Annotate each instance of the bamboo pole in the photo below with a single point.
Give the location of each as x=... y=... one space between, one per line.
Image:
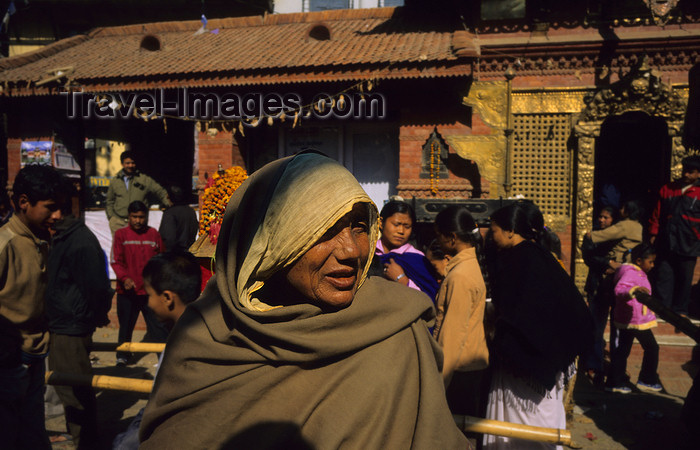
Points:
x=99 y=381
x=466 y=423
x=133 y=347
x=513 y=430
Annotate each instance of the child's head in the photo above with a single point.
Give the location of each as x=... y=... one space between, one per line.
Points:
x=455 y=224
x=606 y=217
x=644 y=255
x=437 y=258
x=37 y=194
x=631 y=210
x=172 y=280
x=691 y=168
x=138 y=215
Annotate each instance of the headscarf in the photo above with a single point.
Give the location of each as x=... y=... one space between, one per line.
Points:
x=240 y=373
x=312 y=194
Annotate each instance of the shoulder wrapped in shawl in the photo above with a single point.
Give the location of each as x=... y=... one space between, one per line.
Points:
x=542 y=322
x=240 y=374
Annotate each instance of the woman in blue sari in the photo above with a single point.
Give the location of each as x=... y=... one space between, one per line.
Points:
x=402 y=262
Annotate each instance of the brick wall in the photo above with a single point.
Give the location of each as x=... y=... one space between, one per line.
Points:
x=413 y=133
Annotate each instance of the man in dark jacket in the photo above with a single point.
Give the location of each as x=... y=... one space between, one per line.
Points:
x=179 y=224
x=675 y=232
x=78 y=298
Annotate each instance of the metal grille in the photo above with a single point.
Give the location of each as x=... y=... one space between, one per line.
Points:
x=541 y=161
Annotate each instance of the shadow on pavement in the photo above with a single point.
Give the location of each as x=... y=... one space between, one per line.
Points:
x=112 y=405
x=635 y=421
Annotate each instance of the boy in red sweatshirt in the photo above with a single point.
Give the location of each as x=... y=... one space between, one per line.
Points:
x=132 y=247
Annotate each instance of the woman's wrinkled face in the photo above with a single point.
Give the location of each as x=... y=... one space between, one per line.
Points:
x=396 y=229
x=329 y=272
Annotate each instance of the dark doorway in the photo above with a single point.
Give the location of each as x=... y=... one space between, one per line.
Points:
x=633 y=157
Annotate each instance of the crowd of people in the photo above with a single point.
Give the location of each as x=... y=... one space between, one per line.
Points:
x=323 y=326
x=626 y=256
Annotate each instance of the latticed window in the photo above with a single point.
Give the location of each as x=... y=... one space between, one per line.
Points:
x=541 y=161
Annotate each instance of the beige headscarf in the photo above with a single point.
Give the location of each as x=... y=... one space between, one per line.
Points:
x=312 y=194
x=238 y=374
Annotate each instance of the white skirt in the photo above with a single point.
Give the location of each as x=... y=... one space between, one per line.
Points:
x=512 y=399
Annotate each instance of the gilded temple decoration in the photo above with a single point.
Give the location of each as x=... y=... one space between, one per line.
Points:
x=661 y=9
x=489 y=100
x=548 y=101
x=642 y=90
x=488 y=152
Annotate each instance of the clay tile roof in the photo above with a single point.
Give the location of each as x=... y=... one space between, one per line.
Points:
x=246 y=51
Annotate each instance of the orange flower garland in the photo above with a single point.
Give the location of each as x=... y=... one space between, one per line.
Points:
x=434 y=173
x=219 y=189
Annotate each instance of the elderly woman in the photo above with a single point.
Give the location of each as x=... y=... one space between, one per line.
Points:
x=290 y=345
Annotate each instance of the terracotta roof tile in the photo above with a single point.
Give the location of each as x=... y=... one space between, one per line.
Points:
x=246 y=50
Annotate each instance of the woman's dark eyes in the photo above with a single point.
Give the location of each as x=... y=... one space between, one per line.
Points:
x=360 y=227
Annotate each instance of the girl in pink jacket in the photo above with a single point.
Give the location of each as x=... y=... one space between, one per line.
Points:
x=634 y=320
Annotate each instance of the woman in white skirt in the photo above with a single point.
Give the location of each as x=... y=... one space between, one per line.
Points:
x=542 y=324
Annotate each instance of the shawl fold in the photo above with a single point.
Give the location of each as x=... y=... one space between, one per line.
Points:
x=542 y=322
x=239 y=373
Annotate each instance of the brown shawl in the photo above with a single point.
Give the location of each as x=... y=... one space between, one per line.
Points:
x=240 y=374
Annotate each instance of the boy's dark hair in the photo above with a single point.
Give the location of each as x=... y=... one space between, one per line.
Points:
x=37 y=182
x=176 y=271
x=641 y=251
x=126 y=154
x=137 y=206
x=690 y=163
x=177 y=195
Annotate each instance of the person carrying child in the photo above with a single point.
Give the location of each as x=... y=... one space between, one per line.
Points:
x=634 y=321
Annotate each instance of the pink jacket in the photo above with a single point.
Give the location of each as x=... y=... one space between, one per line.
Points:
x=629 y=313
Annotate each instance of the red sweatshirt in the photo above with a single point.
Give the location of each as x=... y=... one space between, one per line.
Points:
x=130 y=253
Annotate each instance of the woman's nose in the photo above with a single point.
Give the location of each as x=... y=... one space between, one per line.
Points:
x=348 y=247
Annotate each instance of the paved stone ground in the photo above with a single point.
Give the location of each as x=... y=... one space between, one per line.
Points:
x=638 y=420
x=115 y=409
x=601 y=420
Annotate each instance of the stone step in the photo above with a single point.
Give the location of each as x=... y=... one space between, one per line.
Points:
x=667 y=334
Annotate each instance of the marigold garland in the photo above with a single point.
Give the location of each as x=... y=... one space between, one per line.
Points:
x=219 y=189
x=434 y=173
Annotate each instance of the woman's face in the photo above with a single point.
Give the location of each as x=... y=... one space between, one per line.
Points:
x=329 y=272
x=604 y=220
x=396 y=230
x=500 y=237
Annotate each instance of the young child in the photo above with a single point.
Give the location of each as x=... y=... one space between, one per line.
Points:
x=634 y=320
x=172 y=280
x=133 y=246
x=438 y=259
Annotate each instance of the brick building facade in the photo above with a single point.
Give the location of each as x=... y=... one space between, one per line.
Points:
x=457 y=123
